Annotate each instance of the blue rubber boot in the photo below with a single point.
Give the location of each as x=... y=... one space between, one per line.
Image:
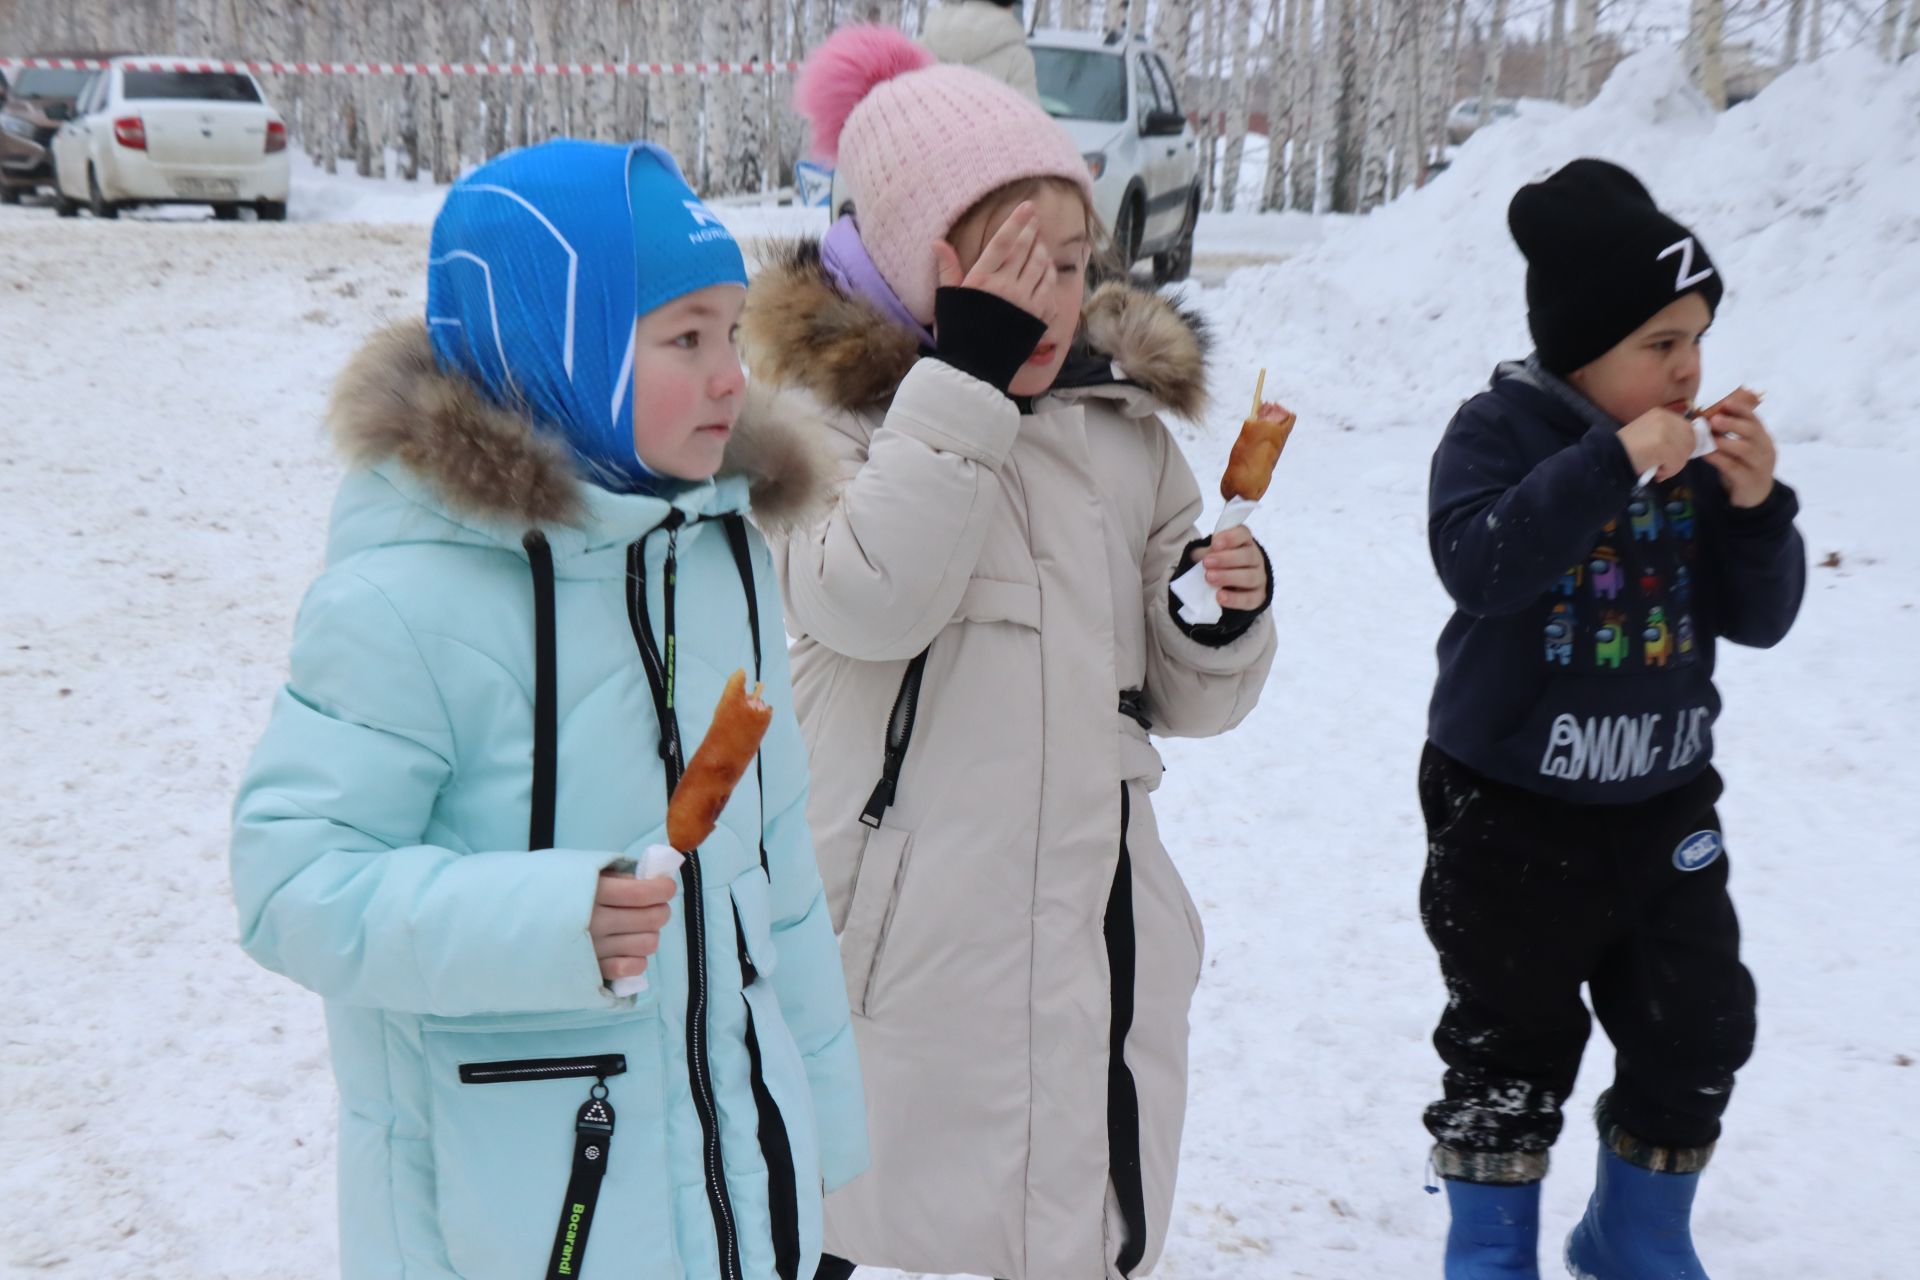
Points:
x=1638 y=1226
x=1496 y=1230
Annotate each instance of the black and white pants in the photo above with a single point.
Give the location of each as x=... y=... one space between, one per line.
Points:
x=1525 y=898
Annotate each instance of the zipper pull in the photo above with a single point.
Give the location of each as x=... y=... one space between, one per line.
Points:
x=595 y=1121
x=878 y=803
x=593 y=1137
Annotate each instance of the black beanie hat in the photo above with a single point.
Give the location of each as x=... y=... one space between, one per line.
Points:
x=1601 y=261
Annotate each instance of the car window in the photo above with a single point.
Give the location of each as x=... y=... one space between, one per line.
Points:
x=194 y=86
x=50 y=82
x=1164 y=83
x=1081 y=84
x=1146 y=96
x=91 y=97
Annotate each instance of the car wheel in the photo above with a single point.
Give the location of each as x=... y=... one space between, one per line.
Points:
x=1176 y=264
x=10 y=194
x=65 y=207
x=97 y=202
x=227 y=212
x=271 y=210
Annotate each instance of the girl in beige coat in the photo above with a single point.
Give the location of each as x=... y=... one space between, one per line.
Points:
x=985 y=638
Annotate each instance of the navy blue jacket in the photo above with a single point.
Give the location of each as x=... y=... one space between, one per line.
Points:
x=1579 y=660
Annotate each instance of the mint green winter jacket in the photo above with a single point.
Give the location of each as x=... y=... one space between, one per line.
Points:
x=381 y=859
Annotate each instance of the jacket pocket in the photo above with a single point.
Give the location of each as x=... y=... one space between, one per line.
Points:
x=505 y=1107
x=876 y=894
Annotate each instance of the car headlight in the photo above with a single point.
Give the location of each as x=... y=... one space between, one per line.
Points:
x=17 y=127
x=1096 y=163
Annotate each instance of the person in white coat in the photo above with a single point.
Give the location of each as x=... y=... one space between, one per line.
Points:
x=986 y=35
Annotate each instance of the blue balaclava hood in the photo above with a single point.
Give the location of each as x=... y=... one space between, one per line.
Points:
x=541 y=263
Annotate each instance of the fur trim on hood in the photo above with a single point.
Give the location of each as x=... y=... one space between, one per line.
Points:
x=799 y=330
x=394 y=401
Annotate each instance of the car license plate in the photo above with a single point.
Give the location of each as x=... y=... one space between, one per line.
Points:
x=206 y=186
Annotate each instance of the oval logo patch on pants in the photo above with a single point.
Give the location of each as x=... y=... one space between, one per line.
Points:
x=1698 y=850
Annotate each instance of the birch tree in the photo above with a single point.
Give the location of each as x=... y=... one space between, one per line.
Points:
x=1889 y=28
x=1490 y=73
x=1796 y=14
x=1381 y=64
x=1706 y=68
x=1279 y=34
x=1237 y=111
x=1310 y=132
x=1348 y=115
x=1172 y=35
x=1556 y=55
x=1202 y=82
x=1816 y=29
x=1441 y=100
x=1580 y=53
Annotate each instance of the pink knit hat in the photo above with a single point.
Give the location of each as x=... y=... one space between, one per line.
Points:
x=919 y=144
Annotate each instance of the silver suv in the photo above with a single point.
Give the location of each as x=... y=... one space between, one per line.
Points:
x=1116 y=99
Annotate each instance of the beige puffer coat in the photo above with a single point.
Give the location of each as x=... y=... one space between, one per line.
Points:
x=1019 y=870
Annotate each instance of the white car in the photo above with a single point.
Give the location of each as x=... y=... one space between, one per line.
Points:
x=1116 y=98
x=143 y=135
x=1464 y=120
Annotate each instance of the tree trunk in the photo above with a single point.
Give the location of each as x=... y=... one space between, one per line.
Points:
x=1796 y=15
x=1203 y=97
x=683 y=102
x=1910 y=42
x=1447 y=85
x=1424 y=18
x=1816 y=30
x=1172 y=31
x=330 y=135
x=1490 y=73
x=1556 y=54
x=1311 y=113
x=719 y=28
x=599 y=31
x=1580 y=53
x=1348 y=123
x=1890 y=28
x=1273 y=188
x=1381 y=66
x=1703 y=49
x=1237 y=110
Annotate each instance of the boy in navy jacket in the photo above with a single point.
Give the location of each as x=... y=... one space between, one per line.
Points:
x=1594 y=557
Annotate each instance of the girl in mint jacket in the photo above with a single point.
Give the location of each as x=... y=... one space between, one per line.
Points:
x=538 y=578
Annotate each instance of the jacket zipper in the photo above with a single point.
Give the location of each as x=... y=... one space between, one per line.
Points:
x=660 y=678
x=598 y=1066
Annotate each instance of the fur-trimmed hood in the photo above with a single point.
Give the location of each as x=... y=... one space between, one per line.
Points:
x=393 y=402
x=800 y=330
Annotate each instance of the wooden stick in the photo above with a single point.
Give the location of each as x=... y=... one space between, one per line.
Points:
x=1259 y=387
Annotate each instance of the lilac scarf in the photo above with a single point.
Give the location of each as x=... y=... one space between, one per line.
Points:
x=847 y=261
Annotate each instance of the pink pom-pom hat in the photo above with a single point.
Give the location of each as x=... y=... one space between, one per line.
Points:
x=919 y=143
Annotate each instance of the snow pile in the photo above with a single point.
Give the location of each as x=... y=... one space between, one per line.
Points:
x=1806 y=197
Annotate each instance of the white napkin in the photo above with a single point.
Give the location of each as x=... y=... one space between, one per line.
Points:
x=658 y=860
x=1199 y=602
x=1702 y=446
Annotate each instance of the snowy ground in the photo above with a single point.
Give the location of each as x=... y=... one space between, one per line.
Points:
x=163 y=487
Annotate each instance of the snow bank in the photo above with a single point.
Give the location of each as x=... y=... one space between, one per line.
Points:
x=1808 y=197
